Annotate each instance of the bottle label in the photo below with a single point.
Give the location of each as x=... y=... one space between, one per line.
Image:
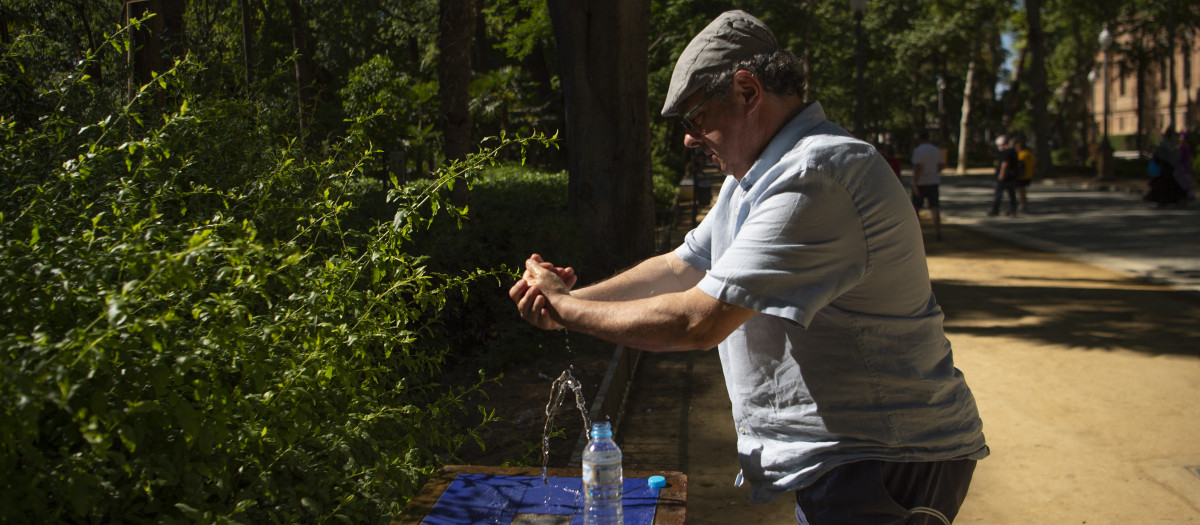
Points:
x=601 y=473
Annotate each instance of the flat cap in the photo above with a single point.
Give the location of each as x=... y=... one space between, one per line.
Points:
x=730 y=38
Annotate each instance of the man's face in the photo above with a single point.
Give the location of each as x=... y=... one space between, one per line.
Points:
x=715 y=128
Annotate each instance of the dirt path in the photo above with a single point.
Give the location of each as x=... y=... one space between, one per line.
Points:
x=1086 y=381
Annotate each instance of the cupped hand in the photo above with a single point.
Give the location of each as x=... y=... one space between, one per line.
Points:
x=566 y=274
x=529 y=293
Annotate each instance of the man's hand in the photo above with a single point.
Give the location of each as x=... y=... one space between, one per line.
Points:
x=566 y=274
x=539 y=279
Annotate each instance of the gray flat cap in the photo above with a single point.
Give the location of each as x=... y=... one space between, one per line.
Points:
x=731 y=38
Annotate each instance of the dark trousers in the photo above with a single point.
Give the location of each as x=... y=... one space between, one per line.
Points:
x=1003 y=187
x=886 y=493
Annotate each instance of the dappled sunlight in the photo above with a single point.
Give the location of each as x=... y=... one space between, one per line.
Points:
x=1153 y=322
x=991 y=288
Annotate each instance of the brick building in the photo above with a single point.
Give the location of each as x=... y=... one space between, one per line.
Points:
x=1122 y=94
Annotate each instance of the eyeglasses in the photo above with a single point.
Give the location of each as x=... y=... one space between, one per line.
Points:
x=686 y=119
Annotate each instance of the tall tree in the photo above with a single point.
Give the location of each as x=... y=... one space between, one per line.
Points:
x=81 y=10
x=306 y=91
x=964 y=122
x=602 y=47
x=1012 y=103
x=1037 y=84
x=456 y=24
x=247 y=44
x=160 y=36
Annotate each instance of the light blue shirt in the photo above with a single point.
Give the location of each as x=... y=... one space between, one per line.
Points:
x=848 y=360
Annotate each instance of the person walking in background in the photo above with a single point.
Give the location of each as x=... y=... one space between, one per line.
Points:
x=928 y=163
x=1007 y=174
x=1025 y=161
x=810 y=278
x=1183 y=173
x=1165 y=189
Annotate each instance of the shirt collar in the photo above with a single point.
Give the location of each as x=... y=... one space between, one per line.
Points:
x=809 y=118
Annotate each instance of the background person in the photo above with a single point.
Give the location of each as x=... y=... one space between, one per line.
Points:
x=1183 y=173
x=928 y=163
x=1025 y=161
x=1165 y=189
x=809 y=276
x=1007 y=175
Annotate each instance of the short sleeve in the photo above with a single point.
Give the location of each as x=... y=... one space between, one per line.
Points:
x=801 y=246
x=697 y=246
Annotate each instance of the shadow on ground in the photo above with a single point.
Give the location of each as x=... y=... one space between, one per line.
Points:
x=1045 y=298
x=1152 y=322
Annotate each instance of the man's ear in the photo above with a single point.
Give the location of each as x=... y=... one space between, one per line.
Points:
x=747 y=88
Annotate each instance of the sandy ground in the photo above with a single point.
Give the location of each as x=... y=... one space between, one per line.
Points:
x=1086 y=381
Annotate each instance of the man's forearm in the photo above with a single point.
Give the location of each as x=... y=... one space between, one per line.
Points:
x=655 y=276
x=688 y=320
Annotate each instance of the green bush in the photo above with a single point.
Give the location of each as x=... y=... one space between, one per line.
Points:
x=514 y=210
x=200 y=324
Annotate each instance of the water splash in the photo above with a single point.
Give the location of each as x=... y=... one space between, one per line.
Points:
x=558 y=391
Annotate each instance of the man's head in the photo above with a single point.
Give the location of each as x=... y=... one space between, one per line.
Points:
x=734 y=88
x=923 y=136
x=733 y=41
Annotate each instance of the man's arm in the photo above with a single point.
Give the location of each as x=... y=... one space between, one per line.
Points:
x=657 y=275
x=650 y=307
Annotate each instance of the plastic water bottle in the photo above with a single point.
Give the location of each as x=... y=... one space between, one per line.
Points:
x=603 y=480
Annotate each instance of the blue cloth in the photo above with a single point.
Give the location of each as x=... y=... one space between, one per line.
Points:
x=486 y=498
x=849 y=360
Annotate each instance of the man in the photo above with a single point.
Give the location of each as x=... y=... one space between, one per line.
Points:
x=928 y=163
x=1007 y=175
x=1026 y=162
x=809 y=276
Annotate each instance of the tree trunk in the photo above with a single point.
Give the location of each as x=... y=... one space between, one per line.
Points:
x=247 y=46
x=1013 y=100
x=1140 y=95
x=602 y=51
x=457 y=24
x=916 y=114
x=94 y=67
x=1037 y=85
x=5 y=38
x=305 y=71
x=964 y=130
x=1172 y=96
x=1186 y=47
x=145 y=53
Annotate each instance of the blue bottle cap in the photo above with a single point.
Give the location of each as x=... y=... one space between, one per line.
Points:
x=657 y=482
x=601 y=429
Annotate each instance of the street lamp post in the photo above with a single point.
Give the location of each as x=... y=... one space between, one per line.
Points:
x=941 y=88
x=858 y=6
x=1089 y=133
x=1104 y=164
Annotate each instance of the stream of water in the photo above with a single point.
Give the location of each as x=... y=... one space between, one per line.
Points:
x=558 y=391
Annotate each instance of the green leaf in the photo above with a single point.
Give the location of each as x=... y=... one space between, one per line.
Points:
x=190 y=512
x=128 y=438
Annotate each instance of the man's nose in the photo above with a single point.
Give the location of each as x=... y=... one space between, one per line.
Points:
x=691 y=141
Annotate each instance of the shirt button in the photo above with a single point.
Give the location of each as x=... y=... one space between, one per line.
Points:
x=742 y=430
